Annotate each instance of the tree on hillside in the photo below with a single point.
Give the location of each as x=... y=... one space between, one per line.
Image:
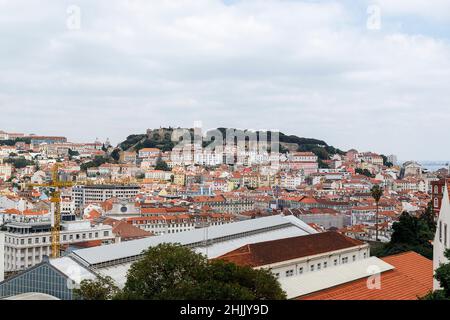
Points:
x=364 y=172
x=173 y=272
x=429 y=217
x=377 y=192
x=115 y=154
x=161 y=165
x=96 y=162
x=19 y=163
x=386 y=161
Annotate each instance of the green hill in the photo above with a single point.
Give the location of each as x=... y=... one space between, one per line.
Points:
x=161 y=139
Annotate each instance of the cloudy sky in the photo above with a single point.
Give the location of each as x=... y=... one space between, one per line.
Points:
x=332 y=70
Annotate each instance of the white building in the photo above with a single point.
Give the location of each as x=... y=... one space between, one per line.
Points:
x=5 y=171
x=83 y=195
x=410 y=184
x=166 y=224
x=7 y=202
x=26 y=243
x=442 y=237
x=158 y=175
x=302 y=157
x=149 y=152
x=2 y=256
x=290 y=181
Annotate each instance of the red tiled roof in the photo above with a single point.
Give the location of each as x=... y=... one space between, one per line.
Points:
x=125 y=230
x=411 y=278
x=264 y=253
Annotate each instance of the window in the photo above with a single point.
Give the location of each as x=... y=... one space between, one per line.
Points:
x=300 y=270
x=289 y=273
x=312 y=267
x=319 y=266
x=354 y=258
x=445 y=234
x=365 y=255
x=440 y=231
x=335 y=262
x=277 y=275
x=325 y=264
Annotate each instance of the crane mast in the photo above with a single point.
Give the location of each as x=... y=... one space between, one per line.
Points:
x=55 y=199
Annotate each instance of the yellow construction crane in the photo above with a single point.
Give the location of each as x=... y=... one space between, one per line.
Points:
x=56 y=184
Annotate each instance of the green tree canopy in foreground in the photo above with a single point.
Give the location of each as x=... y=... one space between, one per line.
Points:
x=102 y=288
x=173 y=272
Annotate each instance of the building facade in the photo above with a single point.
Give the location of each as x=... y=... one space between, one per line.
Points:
x=27 y=243
x=83 y=195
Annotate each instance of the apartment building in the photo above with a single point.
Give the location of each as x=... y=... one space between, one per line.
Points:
x=221 y=204
x=166 y=224
x=37 y=140
x=85 y=194
x=26 y=243
x=149 y=152
x=158 y=175
x=5 y=171
x=303 y=157
x=410 y=184
x=290 y=181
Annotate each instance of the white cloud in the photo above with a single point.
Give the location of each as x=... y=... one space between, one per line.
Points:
x=306 y=68
x=430 y=9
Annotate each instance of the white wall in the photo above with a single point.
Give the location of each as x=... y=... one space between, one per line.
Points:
x=2 y=256
x=439 y=245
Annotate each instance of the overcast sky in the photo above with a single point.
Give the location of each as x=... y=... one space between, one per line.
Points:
x=324 y=69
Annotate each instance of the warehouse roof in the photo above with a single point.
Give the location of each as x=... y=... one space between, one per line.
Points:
x=196 y=238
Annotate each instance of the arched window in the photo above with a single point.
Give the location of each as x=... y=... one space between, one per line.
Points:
x=436 y=202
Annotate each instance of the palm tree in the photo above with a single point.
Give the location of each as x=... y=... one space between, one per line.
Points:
x=377 y=192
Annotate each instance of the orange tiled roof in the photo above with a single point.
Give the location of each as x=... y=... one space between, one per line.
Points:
x=411 y=278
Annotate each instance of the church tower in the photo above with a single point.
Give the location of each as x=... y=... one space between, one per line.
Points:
x=441 y=238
